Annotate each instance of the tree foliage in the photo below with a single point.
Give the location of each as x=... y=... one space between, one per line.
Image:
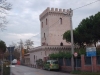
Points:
x=60 y=55
x=39 y=62
x=87 y=32
x=2 y=46
x=16 y=54
x=4 y=7
x=29 y=43
x=67 y=36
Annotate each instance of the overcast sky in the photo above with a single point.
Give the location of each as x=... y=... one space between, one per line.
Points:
x=24 y=17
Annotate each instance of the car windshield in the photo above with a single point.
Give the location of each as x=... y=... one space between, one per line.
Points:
x=54 y=62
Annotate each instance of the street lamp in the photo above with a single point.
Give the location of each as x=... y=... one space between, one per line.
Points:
x=70 y=13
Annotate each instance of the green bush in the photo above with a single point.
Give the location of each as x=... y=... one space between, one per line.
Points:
x=60 y=55
x=39 y=62
x=80 y=51
x=6 y=70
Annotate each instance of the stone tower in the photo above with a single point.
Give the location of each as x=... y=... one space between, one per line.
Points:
x=54 y=23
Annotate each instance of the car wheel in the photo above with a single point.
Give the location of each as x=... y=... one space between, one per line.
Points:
x=49 y=69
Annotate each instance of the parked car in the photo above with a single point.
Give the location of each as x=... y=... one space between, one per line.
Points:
x=14 y=62
x=51 y=65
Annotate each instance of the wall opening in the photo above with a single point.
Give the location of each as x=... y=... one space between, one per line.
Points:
x=46 y=21
x=60 y=20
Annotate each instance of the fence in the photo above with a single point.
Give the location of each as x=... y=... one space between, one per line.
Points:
x=81 y=63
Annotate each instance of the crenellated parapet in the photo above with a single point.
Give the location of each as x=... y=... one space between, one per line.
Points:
x=52 y=48
x=52 y=11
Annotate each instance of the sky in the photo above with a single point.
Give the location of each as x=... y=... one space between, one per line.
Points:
x=24 y=23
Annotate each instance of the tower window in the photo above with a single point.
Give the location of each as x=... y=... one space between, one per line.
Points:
x=46 y=22
x=42 y=24
x=60 y=20
x=34 y=57
x=44 y=35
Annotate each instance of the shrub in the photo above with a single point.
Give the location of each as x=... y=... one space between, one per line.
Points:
x=39 y=62
x=60 y=55
x=6 y=70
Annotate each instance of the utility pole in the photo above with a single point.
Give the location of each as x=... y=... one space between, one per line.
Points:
x=72 y=41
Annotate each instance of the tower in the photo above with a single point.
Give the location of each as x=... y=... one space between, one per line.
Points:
x=54 y=23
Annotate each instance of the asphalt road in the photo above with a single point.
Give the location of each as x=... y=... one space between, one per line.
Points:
x=23 y=70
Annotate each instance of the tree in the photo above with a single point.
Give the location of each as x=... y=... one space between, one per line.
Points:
x=29 y=44
x=90 y=29
x=67 y=36
x=2 y=48
x=4 y=6
x=16 y=54
x=6 y=55
x=96 y=28
x=77 y=37
x=87 y=32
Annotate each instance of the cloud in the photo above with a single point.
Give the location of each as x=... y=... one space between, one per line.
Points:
x=20 y=36
x=15 y=37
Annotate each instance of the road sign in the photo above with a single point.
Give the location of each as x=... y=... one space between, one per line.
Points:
x=75 y=54
x=91 y=51
x=10 y=49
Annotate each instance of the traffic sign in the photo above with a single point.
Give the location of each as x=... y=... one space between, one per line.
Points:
x=75 y=54
x=10 y=49
x=91 y=51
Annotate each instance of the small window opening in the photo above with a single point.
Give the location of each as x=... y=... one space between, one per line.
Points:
x=60 y=20
x=46 y=22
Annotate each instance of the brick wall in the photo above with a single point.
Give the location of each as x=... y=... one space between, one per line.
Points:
x=93 y=67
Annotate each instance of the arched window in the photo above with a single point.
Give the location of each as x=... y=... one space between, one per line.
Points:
x=60 y=20
x=46 y=22
x=42 y=24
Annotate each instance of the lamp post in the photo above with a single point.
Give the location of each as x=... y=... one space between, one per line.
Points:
x=70 y=13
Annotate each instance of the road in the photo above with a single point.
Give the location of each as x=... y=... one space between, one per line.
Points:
x=23 y=70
